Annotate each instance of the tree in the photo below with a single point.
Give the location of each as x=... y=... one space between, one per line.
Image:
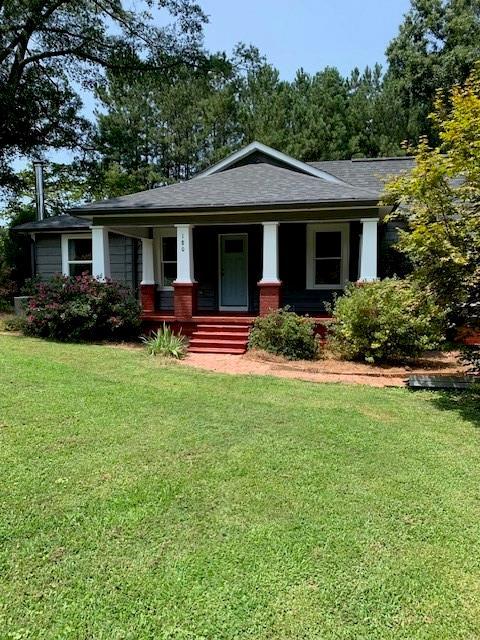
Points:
x=437 y=46
x=155 y=129
x=439 y=200
x=263 y=100
x=47 y=47
x=317 y=127
x=374 y=116
x=65 y=185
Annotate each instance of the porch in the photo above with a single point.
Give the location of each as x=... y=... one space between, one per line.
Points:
x=230 y=273
x=239 y=270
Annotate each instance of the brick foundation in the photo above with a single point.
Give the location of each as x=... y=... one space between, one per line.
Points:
x=270 y=296
x=147 y=297
x=184 y=300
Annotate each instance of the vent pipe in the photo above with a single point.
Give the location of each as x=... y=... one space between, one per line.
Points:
x=39 y=194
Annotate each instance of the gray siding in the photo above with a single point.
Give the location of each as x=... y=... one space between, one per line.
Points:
x=122 y=256
x=125 y=258
x=48 y=255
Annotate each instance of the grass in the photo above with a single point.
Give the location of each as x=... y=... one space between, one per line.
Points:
x=148 y=501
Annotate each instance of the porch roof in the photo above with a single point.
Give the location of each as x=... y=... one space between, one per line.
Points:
x=55 y=223
x=252 y=185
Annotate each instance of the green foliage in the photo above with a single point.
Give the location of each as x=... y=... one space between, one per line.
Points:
x=314 y=117
x=7 y=287
x=13 y=323
x=438 y=200
x=150 y=503
x=65 y=185
x=164 y=342
x=373 y=116
x=470 y=356
x=80 y=308
x=284 y=333
x=437 y=45
x=15 y=253
x=152 y=132
x=385 y=320
x=48 y=47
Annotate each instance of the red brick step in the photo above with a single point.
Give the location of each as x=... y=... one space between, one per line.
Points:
x=217 y=337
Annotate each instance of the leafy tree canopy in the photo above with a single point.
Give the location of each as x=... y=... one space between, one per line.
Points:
x=437 y=45
x=50 y=47
x=439 y=201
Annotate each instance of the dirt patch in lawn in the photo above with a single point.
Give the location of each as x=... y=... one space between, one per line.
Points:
x=326 y=370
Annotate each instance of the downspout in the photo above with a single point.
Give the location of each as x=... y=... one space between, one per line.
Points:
x=33 y=256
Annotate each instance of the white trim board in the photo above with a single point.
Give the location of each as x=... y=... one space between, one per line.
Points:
x=258 y=147
x=311 y=230
x=158 y=234
x=65 y=237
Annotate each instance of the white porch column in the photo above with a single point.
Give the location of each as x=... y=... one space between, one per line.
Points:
x=148 y=276
x=270 y=253
x=368 y=250
x=100 y=253
x=185 y=271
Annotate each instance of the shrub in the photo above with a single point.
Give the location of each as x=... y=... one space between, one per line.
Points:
x=7 y=288
x=385 y=320
x=470 y=319
x=80 y=308
x=166 y=343
x=283 y=332
x=30 y=286
x=470 y=356
x=13 y=323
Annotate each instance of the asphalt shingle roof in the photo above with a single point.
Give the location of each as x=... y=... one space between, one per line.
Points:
x=248 y=185
x=367 y=173
x=55 y=223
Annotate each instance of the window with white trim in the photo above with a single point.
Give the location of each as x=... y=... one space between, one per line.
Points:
x=167 y=258
x=327 y=255
x=77 y=254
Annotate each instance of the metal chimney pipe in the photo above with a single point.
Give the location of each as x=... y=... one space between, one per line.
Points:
x=39 y=194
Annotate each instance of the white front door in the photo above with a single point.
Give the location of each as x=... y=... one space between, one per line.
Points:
x=233 y=281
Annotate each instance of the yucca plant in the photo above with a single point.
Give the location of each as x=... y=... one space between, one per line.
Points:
x=164 y=342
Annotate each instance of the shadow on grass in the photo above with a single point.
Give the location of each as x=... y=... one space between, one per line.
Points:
x=466 y=403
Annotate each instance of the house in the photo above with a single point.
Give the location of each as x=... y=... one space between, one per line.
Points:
x=256 y=231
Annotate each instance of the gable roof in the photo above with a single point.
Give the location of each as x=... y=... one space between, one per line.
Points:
x=248 y=185
x=281 y=158
x=55 y=223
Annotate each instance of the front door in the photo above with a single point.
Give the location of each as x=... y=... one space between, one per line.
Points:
x=233 y=283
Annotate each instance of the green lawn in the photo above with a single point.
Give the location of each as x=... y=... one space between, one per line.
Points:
x=147 y=501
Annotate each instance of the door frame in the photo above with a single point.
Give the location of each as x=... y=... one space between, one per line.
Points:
x=237 y=235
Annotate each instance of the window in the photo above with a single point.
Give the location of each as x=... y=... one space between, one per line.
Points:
x=167 y=261
x=76 y=254
x=327 y=255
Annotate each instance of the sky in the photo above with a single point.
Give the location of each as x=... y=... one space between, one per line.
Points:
x=311 y=34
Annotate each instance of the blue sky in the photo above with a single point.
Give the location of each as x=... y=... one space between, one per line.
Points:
x=306 y=33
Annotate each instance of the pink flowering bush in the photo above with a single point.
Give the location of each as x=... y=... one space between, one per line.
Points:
x=80 y=308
